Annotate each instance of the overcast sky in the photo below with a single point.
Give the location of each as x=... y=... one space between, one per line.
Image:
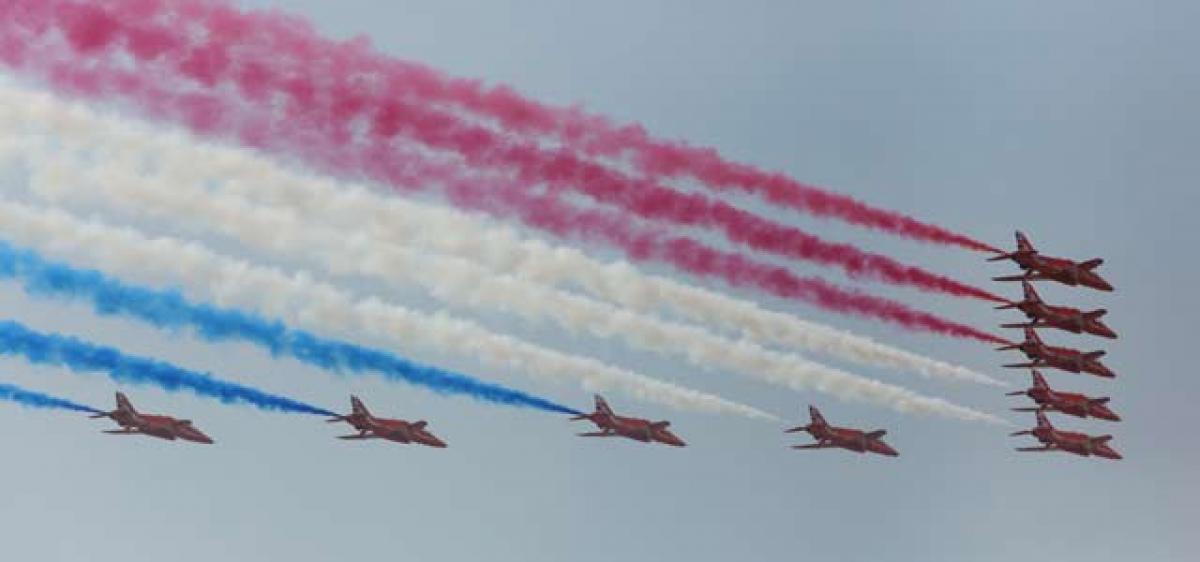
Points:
x=1075 y=121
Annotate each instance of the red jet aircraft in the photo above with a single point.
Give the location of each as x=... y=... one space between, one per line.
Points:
x=1069 y=403
x=612 y=425
x=1070 y=360
x=163 y=427
x=371 y=427
x=1038 y=267
x=855 y=440
x=1042 y=315
x=1069 y=441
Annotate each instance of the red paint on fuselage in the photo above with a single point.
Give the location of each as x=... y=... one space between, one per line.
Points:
x=1081 y=444
x=1069 y=403
x=399 y=431
x=1065 y=271
x=162 y=427
x=637 y=429
x=1062 y=358
x=841 y=437
x=1060 y=317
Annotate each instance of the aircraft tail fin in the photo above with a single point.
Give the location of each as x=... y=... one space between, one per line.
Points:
x=358 y=408
x=1031 y=295
x=1042 y=421
x=1023 y=243
x=817 y=420
x=1032 y=336
x=602 y=406
x=124 y=405
x=1039 y=381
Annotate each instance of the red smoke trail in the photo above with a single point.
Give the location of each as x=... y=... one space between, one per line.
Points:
x=210 y=113
x=290 y=47
x=328 y=86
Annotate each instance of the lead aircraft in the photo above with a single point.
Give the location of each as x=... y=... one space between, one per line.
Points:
x=1039 y=267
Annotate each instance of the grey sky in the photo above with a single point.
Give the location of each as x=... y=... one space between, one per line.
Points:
x=1075 y=121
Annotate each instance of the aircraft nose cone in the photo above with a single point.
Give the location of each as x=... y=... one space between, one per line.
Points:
x=429 y=440
x=884 y=449
x=196 y=436
x=1106 y=414
x=671 y=439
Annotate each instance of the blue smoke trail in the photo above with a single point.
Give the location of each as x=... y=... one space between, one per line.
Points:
x=80 y=356
x=33 y=399
x=169 y=309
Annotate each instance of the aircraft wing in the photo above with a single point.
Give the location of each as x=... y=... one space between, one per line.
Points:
x=1045 y=449
x=1039 y=323
x=814 y=446
x=1031 y=276
x=359 y=436
x=123 y=431
x=1031 y=364
x=597 y=434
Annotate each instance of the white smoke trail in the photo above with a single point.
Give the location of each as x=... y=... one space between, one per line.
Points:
x=117 y=183
x=299 y=300
x=395 y=222
x=63 y=179
x=455 y=281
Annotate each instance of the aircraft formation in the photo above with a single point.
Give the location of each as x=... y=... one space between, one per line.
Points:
x=1039 y=314
x=609 y=423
